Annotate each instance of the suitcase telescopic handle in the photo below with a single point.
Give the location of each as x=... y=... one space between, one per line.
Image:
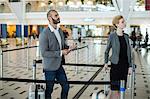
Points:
x=34 y=69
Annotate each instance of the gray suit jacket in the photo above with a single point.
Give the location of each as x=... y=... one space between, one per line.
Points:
x=113 y=42
x=50 y=49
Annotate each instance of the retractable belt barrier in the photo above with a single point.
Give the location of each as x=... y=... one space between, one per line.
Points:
x=1 y=55
x=98 y=37
x=73 y=64
x=19 y=48
x=56 y=82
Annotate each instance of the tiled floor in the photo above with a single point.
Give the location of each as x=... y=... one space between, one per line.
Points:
x=15 y=65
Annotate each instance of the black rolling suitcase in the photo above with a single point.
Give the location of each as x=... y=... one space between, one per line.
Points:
x=36 y=91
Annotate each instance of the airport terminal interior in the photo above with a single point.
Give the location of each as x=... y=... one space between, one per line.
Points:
x=86 y=23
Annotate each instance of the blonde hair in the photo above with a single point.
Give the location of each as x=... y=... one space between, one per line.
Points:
x=116 y=20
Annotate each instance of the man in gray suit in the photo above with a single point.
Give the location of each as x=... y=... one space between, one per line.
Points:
x=53 y=48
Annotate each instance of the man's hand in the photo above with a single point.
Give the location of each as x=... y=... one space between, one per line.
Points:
x=65 y=51
x=74 y=46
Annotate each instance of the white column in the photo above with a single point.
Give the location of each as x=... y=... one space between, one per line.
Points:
x=116 y=5
x=23 y=20
x=18 y=8
x=127 y=10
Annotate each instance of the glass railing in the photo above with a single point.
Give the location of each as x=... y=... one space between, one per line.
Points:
x=98 y=7
x=40 y=6
x=139 y=8
x=33 y=6
x=73 y=8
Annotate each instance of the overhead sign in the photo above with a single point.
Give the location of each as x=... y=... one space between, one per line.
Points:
x=89 y=19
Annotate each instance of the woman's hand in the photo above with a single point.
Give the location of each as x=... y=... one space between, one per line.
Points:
x=130 y=71
x=106 y=67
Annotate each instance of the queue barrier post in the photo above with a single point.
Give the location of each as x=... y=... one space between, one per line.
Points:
x=1 y=62
x=38 y=54
x=28 y=55
x=34 y=69
x=133 y=80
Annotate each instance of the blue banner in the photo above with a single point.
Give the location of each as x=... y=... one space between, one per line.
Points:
x=26 y=31
x=0 y=31
x=18 y=30
x=4 y=30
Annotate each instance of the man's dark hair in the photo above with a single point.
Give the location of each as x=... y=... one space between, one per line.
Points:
x=49 y=12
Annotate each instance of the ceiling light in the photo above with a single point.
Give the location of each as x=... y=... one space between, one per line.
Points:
x=70 y=3
x=52 y=4
x=43 y=4
x=79 y=3
x=60 y=3
x=89 y=3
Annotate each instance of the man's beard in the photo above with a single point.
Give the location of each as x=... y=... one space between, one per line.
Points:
x=56 y=21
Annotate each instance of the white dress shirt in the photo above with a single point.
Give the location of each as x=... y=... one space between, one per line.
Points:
x=57 y=34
